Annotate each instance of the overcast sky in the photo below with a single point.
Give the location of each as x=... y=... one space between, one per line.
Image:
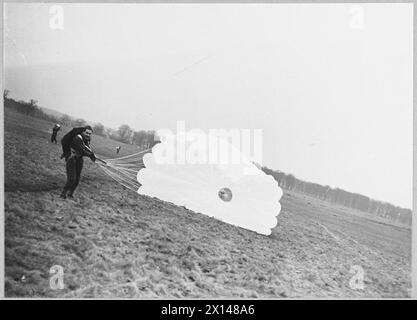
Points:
x=330 y=84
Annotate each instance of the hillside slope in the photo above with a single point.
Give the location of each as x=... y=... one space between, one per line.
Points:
x=112 y=242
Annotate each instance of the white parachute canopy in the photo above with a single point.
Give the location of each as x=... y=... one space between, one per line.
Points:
x=207 y=174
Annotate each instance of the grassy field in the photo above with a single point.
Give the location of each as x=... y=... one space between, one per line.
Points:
x=113 y=242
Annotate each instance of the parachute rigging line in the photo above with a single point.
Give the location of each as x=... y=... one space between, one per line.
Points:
x=124 y=170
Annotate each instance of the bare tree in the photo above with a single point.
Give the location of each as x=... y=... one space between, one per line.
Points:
x=79 y=123
x=33 y=103
x=139 y=138
x=290 y=182
x=150 y=139
x=125 y=133
x=66 y=120
x=99 y=129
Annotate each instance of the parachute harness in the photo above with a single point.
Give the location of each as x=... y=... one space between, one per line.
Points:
x=124 y=170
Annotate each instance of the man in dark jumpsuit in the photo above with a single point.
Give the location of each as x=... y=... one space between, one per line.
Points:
x=80 y=147
x=55 y=130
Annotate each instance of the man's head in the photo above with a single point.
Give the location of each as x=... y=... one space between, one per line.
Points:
x=88 y=131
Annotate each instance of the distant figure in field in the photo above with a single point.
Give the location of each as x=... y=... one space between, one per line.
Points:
x=118 y=149
x=55 y=130
x=78 y=144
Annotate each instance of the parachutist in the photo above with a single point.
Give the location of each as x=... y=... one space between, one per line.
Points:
x=78 y=147
x=55 y=130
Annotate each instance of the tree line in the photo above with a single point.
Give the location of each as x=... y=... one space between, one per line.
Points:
x=341 y=197
x=142 y=138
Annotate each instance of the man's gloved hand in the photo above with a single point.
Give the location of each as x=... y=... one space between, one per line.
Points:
x=93 y=157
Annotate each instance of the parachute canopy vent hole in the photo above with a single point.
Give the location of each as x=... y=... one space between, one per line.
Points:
x=225 y=194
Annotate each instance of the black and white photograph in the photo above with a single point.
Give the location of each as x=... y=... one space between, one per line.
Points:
x=179 y=151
